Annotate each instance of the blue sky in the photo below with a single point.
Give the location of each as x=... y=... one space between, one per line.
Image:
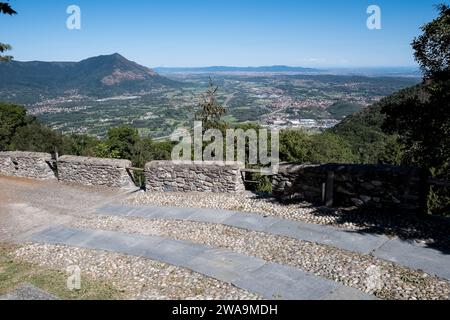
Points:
x=191 y=33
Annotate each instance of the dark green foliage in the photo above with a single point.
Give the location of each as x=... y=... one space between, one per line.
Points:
x=36 y=137
x=423 y=120
x=264 y=184
x=83 y=145
x=121 y=141
x=3 y=48
x=295 y=146
x=364 y=132
x=342 y=109
x=23 y=133
x=298 y=146
x=423 y=124
x=5 y=8
x=330 y=148
x=125 y=143
x=432 y=48
x=12 y=117
x=146 y=150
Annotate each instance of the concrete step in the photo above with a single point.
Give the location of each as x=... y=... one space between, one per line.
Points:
x=270 y=280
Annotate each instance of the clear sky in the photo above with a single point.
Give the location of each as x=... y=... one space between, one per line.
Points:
x=327 y=33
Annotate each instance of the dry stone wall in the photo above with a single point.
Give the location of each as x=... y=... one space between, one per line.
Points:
x=95 y=171
x=168 y=176
x=402 y=189
x=27 y=165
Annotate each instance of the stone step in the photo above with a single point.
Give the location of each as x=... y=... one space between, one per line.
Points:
x=416 y=256
x=339 y=238
x=406 y=253
x=270 y=280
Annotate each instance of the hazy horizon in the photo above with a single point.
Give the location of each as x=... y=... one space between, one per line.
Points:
x=319 y=67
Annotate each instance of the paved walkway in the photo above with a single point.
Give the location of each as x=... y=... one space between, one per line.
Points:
x=409 y=254
x=270 y=280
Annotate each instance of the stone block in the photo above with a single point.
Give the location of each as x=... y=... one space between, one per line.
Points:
x=33 y=165
x=185 y=176
x=95 y=171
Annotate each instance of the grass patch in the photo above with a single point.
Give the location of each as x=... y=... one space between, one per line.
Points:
x=14 y=273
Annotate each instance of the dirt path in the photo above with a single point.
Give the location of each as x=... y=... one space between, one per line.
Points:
x=27 y=206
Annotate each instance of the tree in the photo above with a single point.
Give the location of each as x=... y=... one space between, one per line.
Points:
x=24 y=133
x=363 y=131
x=146 y=150
x=121 y=142
x=12 y=117
x=5 y=8
x=295 y=146
x=432 y=48
x=328 y=147
x=36 y=137
x=211 y=112
x=422 y=120
x=299 y=146
x=83 y=145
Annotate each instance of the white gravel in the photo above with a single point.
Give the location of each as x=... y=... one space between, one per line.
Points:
x=138 y=278
x=428 y=229
x=351 y=269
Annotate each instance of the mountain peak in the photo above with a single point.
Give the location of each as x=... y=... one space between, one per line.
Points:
x=117 y=56
x=108 y=57
x=98 y=76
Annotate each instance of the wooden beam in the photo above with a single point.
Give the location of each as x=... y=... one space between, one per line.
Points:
x=135 y=169
x=329 y=193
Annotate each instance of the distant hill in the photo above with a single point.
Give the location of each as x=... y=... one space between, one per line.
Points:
x=414 y=72
x=98 y=76
x=267 y=69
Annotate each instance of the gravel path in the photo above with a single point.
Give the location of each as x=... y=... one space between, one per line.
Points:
x=431 y=230
x=138 y=278
x=389 y=281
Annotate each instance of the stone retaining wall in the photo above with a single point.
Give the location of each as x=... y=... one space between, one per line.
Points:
x=95 y=171
x=168 y=176
x=403 y=189
x=374 y=186
x=27 y=165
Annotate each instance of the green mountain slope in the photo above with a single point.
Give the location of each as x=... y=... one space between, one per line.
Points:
x=99 y=77
x=342 y=109
x=364 y=130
